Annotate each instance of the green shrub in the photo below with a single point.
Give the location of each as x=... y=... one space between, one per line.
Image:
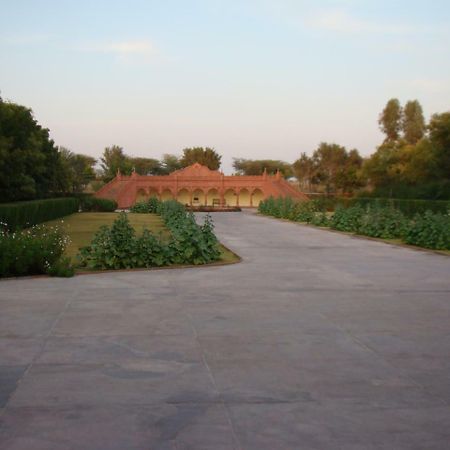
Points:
x=32 y=251
x=118 y=247
x=147 y=206
x=21 y=215
x=408 y=207
x=386 y=223
x=429 y=230
x=61 y=268
x=94 y=204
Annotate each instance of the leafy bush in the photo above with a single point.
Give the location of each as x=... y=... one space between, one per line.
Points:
x=147 y=206
x=386 y=223
x=94 y=204
x=21 y=215
x=32 y=251
x=408 y=207
x=118 y=247
x=347 y=219
x=429 y=230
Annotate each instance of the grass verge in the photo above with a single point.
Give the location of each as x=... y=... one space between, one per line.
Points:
x=81 y=228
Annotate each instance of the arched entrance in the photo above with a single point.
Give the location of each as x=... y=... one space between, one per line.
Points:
x=153 y=193
x=213 y=198
x=230 y=197
x=198 y=198
x=244 y=197
x=166 y=194
x=141 y=195
x=257 y=197
x=184 y=197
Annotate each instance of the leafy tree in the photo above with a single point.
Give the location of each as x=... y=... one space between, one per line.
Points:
x=439 y=129
x=114 y=159
x=146 y=166
x=257 y=166
x=304 y=170
x=329 y=159
x=170 y=163
x=390 y=120
x=413 y=122
x=206 y=156
x=79 y=169
x=29 y=161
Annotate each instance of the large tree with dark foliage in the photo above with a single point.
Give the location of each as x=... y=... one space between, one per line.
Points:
x=30 y=164
x=206 y=156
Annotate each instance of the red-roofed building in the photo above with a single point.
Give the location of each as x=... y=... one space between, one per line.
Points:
x=197 y=185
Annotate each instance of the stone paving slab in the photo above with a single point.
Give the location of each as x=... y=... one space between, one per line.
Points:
x=316 y=340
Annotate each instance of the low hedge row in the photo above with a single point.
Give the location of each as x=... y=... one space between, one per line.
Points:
x=428 y=229
x=409 y=207
x=19 y=215
x=94 y=204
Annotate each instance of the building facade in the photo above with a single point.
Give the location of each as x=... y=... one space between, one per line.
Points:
x=197 y=185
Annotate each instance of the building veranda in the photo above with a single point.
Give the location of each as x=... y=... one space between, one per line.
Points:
x=197 y=185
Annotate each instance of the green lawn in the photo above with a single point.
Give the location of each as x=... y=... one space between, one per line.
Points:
x=81 y=228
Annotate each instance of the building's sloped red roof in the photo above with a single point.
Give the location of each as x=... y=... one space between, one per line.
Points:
x=196 y=170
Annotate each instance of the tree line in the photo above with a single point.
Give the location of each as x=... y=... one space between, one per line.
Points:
x=412 y=161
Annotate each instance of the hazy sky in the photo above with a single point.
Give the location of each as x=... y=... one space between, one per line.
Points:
x=253 y=79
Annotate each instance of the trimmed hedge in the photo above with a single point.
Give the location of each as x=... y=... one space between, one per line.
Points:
x=408 y=207
x=94 y=204
x=21 y=215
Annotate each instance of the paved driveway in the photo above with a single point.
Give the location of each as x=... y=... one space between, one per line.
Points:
x=315 y=341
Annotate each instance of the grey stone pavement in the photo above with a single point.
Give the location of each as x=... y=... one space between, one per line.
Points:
x=316 y=340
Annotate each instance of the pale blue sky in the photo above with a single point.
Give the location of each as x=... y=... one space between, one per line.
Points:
x=253 y=79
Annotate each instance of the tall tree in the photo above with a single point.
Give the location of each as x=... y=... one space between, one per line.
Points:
x=257 y=166
x=390 y=120
x=30 y=164
x=329 y=159
x=439 y=129
x=413 y=122
x=170 y=163
x=79 y=169
x=114 y=159
x=146 y=166
x=304 y=170
x=206 y=156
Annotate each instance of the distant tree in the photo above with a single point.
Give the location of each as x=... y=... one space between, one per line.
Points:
x=146 y=166
x=206 y=156
x=350 y=176
x=257 y=166
x=30 y=164
x=413 y=122
x=79 y=169
x=390 y=120
x=169 y=163
x=304 y=171
x=439 y=130
x=112 y=160
x=329 y=160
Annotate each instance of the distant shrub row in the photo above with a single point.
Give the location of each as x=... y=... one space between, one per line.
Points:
x=94 y=204
x=21 y=215
x=426 y=229
x=409 y=207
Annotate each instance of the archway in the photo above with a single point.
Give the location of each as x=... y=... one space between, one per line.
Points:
x=153 y=193
x=257 y=197
x=244 y=197
x=213 y=198
x=198 y=198
x=166 y=194
x=230 y=197
x=141 y=195
x=184 y=197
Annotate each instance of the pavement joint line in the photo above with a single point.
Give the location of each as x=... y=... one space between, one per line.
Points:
x=386 y=361
x=214 y=383
x=38 y=355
